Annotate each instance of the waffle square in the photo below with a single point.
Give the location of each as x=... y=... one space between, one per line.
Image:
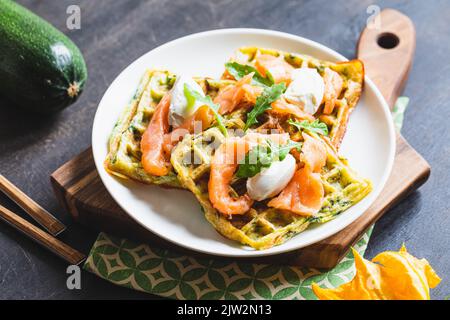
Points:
x=263 y=227
x=124 y=157
x=352 y=72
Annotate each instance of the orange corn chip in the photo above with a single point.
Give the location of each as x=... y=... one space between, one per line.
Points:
x=389 y=276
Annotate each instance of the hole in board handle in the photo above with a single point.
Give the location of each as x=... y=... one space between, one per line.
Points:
x=388 y=40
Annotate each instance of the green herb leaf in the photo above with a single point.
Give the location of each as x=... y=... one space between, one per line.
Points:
x=315 y=126
x=255 y=160
x=262 y=156
x=192 y=96
x=280 y=152
x=263 y=102
x=238 y=71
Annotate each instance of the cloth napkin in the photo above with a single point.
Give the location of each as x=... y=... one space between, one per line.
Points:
x=169 y=274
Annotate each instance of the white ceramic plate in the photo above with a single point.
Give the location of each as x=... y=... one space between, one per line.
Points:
x=175 y=215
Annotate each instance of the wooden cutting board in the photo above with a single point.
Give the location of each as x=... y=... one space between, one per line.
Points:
x=80 y=190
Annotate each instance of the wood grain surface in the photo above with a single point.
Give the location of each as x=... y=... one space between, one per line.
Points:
x=70 y=255
x=388 y=66
x=34 y=210
x=114 y=33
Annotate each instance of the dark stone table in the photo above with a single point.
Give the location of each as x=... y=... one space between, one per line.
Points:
x=114 y=33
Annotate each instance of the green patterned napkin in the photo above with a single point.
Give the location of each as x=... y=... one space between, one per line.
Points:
x=170 y=274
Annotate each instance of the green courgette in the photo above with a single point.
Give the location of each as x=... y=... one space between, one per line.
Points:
x=40 y=68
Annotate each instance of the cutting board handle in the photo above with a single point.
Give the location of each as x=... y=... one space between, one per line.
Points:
x=386 y=46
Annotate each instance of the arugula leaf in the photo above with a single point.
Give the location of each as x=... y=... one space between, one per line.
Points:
x=315 y=126
x=263 y=102
x=255 y=160
x=192 y=96
x=280 y=152
x=238 y=71
x=261 y=157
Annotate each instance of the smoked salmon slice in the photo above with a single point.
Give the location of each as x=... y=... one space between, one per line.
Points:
x=196 y=123
x=154 y=160
x=333 y=87
x=224 y=163
x=304 y=194
x=313 y=153
x=277 y=67
x=230 y=96
x=281 y=106
x=252 y=92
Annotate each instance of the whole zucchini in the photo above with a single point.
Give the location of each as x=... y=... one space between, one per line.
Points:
x=40 y=68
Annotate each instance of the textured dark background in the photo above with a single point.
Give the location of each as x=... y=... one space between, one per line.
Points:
x=114 y=33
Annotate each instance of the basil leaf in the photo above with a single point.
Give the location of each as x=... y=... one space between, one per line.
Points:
x=238 y=71
x=261 y=157
x=192 y=96
x=263 y=102
x=315 y=126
